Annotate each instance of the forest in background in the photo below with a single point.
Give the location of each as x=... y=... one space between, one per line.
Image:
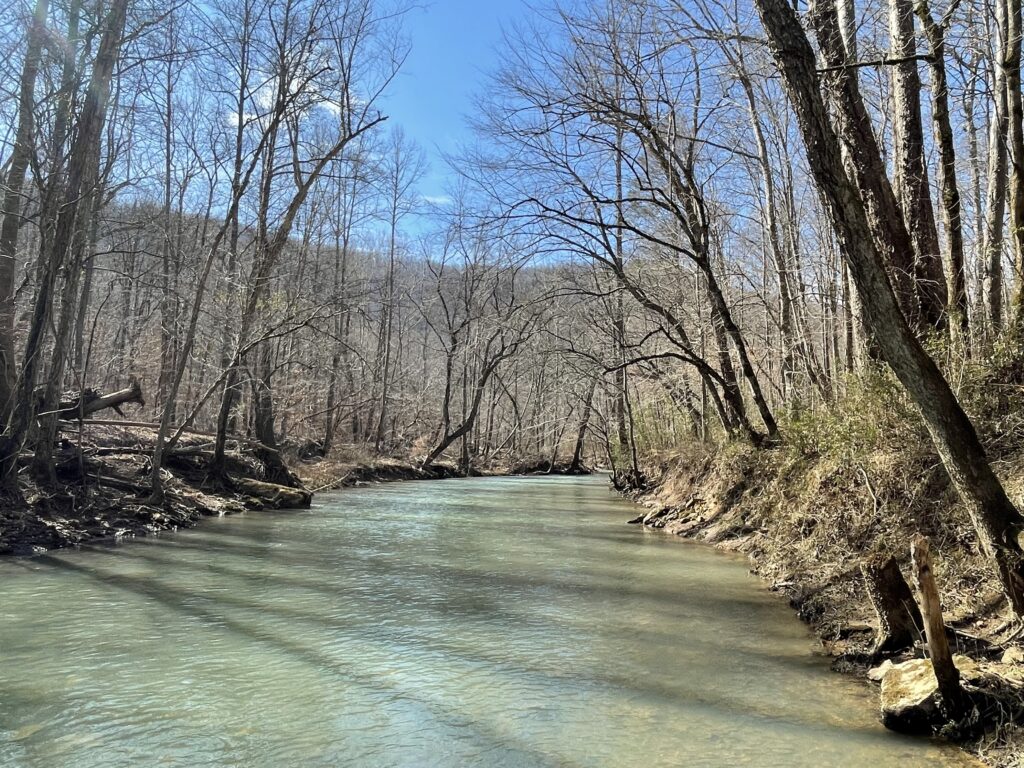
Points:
x=211 y=202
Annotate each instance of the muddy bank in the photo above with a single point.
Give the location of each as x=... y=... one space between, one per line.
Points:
x=808 y=521
x=102 y=491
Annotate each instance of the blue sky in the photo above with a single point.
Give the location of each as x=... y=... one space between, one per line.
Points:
x=455 y=43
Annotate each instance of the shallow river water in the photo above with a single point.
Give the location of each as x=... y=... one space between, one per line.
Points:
x=485 y=623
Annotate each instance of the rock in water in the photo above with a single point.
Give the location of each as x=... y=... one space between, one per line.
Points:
x=910 y=700
x=909 y=697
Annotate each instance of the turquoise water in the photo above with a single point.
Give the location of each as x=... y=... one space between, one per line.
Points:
x=485 y=622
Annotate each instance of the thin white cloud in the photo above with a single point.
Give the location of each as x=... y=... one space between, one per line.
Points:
x=436 y=199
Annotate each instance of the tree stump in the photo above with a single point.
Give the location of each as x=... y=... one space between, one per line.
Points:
x=899 y=619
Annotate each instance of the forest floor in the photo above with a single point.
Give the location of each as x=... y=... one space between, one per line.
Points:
x=843 y=486
x=103 y=487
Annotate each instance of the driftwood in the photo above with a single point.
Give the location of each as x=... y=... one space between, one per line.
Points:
x=273 y=495
x=899 y=619
x=119 y=483
x=946 y=674
x=195 y=450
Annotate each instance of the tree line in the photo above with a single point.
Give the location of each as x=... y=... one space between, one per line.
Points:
x=211 y=201
x=783 y=197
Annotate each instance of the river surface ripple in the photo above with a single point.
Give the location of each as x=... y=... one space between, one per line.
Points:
x=484 y=622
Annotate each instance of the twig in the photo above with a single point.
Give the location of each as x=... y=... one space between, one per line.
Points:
x=884 y=62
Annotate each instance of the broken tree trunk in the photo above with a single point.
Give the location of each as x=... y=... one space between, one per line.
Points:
x=946 y=674
x=899 y=619
x=89 y=401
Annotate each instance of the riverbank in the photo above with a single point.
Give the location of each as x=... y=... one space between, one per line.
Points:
x=807 y=517
x=335 y=473
x=103 y=490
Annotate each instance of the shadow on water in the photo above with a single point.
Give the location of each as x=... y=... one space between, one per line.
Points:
x=448 y=611
x=185 y=602
x=598 y=582
x=182 y=602
x=463 y=592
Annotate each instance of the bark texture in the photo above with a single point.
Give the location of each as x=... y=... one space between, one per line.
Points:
x=912 y=170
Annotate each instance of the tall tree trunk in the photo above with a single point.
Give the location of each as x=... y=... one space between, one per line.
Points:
x=80 y=358
x=619 y=318
x=82 y=159
x=259 y=275
x=17 y=167
x=912 y=170
x=62 y=342
x=996 y=521
x=275 y=470
x=995 y=202
x=168 y=315
x=956 y=278
x=693 y=216
x=1015 y=115
x=771 y=227
x=384 y=352
x=969 y=116
x=867 y=168
x=849 y=324
x=860 y=347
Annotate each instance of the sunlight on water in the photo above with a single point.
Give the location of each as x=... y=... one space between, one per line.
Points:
x=493 y=622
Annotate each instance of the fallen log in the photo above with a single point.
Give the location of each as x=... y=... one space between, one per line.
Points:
x=89 y=401
x=197 y=450
x=119 y=483
x=271 y=494
x=68 y=426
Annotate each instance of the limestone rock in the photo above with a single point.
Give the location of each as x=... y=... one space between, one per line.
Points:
x=910 y=694
x=877 y=673
x=1013 y=655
